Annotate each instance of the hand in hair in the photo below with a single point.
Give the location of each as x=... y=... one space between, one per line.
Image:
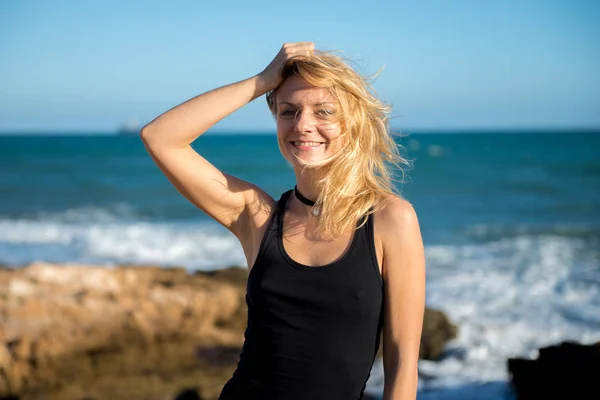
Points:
x=270 y=78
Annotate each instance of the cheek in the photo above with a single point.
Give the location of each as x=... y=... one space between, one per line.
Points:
x=333 y=134
x=283 y=129
x=283 y=126
x=282 y=144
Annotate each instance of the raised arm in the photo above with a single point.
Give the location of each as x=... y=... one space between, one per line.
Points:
x=229 y=200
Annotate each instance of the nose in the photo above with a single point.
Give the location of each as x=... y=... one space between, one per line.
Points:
x=304 y=122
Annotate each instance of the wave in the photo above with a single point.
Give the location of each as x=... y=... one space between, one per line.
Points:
x=70 y=237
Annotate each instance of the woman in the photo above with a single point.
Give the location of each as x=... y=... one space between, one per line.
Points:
x=335 y=261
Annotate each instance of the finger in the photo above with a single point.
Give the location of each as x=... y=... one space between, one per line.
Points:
x=297 y=53
x=288 y=44
x=298 y=45
x=300 y=53
x=300 y=49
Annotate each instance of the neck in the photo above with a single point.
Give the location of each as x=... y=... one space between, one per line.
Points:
x=303 y=199
x=306 y=188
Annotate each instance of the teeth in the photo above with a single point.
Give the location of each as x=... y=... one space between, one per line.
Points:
x=308 y=144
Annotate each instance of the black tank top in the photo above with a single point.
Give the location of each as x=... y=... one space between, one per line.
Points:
x=313 y=332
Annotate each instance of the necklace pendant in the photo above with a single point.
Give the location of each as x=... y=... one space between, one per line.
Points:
x=315 y=211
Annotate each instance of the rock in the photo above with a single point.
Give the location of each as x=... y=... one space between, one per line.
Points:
x=564 y=371
x=234 y=275
x=437 y=331
x=189 y=394
x=73 y=331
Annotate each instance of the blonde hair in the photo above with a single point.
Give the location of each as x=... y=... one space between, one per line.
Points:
x=353 y=182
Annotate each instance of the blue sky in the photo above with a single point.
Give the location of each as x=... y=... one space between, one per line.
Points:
x=92 y=65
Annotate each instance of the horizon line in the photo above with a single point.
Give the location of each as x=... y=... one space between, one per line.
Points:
x=446 y=130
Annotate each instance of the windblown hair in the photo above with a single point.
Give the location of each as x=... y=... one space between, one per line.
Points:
x=353 y=182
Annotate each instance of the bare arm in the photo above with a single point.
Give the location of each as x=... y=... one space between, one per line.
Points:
x=181 y=125
x=168 y=140
x=404 y=279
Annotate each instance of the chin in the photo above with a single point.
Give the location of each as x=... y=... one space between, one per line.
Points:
x=299 y=162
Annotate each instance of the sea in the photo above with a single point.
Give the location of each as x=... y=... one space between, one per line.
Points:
x=510 y=222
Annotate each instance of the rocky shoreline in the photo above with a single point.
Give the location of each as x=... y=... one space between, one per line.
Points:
x=130 y=332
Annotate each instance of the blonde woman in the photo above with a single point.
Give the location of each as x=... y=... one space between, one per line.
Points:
x=333 y=263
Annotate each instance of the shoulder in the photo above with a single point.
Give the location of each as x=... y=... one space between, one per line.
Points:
x=396 y=216
x=397 y=234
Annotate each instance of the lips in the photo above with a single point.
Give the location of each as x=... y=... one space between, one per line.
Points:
x=306 y=144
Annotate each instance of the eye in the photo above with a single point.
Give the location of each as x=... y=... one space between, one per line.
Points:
x=324 y=113
x=287 y=114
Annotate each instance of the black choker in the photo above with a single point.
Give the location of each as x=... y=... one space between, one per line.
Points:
x=308 y=202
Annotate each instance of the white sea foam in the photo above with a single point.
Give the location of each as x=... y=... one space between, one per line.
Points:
x=108 y=241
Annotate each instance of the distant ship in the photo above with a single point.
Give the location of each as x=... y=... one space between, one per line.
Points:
x=132 y=127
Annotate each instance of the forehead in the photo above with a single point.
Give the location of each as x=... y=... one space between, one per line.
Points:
x=297 y=91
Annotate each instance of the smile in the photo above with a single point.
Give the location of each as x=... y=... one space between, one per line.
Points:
x=307 y=144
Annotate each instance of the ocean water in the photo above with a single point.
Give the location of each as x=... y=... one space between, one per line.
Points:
x=510 y=223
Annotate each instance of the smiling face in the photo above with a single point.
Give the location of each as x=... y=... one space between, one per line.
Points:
x=308 y=125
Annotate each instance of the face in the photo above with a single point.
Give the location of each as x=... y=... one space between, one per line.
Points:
x=307 y=122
